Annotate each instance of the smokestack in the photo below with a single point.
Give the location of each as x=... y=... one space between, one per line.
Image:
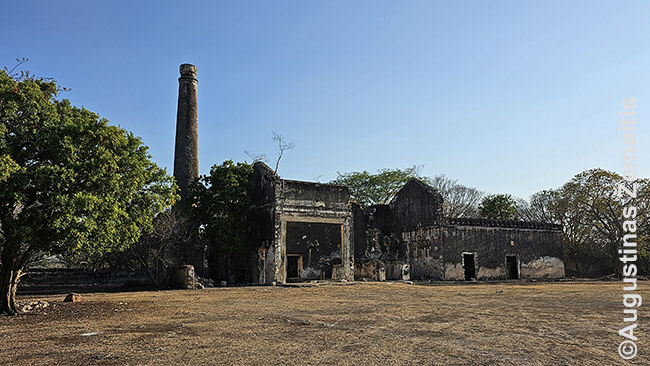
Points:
x=186 y=152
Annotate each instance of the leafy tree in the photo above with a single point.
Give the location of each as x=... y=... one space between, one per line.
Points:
x=498 y=206
x=370 y=189
x=69 y=182
x=458 y=200
x=223 y=207
x=590 y=210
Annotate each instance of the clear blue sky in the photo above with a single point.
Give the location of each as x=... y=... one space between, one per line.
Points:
x=506 y=96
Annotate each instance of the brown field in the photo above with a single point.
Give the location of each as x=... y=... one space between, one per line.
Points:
x=571 y=323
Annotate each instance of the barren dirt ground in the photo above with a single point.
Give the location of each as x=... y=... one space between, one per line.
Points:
x=354 y=324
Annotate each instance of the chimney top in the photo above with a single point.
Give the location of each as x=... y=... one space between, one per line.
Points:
x=188 y=70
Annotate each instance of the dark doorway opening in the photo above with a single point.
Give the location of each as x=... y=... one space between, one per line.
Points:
x=512 y=267
x=294 y=265
x=469 y=266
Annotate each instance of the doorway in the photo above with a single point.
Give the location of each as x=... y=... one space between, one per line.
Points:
x=512 y=267
x=469 y=266
x=294 y=265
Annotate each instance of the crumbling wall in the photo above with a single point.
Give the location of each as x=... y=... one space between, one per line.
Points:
x=289 y=210
x=379 y=218
x=416 y=243
x=65 y=280
x=377 y=255
x=318 y=247
x=405 y=236
x=315 y=227
x=371 y=232
x=360 y=236
x=537 y=246
x=373 y=270
x=424 y=253
x=318 y=203
x=267 y=228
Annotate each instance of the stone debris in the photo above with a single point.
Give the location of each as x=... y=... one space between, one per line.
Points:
x=206 y=282
x=34 y=305
x=72 y=297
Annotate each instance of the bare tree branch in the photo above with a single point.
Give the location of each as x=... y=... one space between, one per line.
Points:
x=282 y=146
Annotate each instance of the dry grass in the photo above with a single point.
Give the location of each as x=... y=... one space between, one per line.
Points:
x=355 y=324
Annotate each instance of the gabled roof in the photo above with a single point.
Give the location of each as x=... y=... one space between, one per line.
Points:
x=415 y=182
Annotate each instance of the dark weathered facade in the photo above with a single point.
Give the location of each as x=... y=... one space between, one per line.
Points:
x=310 y=231
x=303 y=229
x=502 y=249
x=409 y=239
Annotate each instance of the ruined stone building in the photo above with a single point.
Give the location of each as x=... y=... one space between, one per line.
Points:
x=304 y=230
x=312 y=231
x=308 y=231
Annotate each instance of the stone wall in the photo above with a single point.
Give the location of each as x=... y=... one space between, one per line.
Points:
x=423 y=247
x=310 y=230
x=64 y=280
x=313 y=249
x=360 y=234
x=536 y=246
x=267 y=223
x=410 y=239
x=415 y=205
x=292 y=217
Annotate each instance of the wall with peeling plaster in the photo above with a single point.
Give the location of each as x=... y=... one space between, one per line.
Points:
x=410 y=238
x=492 y=240
x=423 y=248
x=318 y=245
x=292 y=217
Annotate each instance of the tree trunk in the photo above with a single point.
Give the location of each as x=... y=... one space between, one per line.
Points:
x=576 y=260
x=8 y=283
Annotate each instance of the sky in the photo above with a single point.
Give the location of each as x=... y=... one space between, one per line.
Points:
x=505 y=96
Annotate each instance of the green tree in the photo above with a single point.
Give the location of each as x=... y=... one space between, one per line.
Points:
x=69 y=181
x=223 y=207
x=591 y=212
x=370 y=189
x=498 y=206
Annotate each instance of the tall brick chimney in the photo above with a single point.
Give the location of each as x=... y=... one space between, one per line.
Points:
x=186 y=152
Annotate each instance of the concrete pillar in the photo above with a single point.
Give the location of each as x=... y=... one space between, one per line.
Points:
x=186 y=152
